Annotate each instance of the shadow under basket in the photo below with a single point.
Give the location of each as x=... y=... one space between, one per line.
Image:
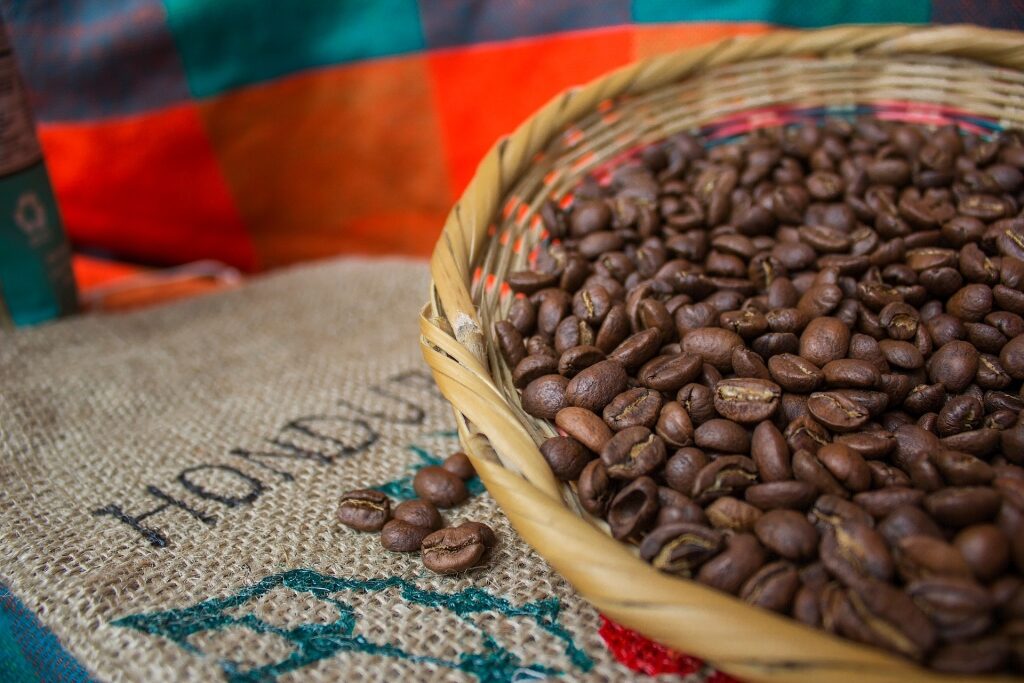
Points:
x=963 y=76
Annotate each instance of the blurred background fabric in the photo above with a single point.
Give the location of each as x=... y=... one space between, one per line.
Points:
x=260 y=133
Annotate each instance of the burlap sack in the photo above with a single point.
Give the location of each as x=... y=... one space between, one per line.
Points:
x=169 y=482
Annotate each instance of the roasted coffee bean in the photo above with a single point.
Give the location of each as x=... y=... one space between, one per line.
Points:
x=837 y=410
x=698 y=401
x=680 y=548
x=364 y=509
x=846 y=465
x=889 y=619
x=954 y=365
x=440 y=487
x=545 y=396
x=794 y=373
x=770 y=453
x=787 y=533
x=578 y=358
x=595 y=487
x=724 y=436
x=670 y=373
x=682 y=468
x=807 y=468
x=1012 y=357
x=884 y=475
x=727 y=572
x=584 y=426
x=985 y=548
x=531 y=367
x=418 y=513
x=922 y=556
x=980 y=656
x=454 y=549
x=853 y=551
x=632 y=408
x=634 y=508
x=400 y=536
x=772 y=587
x=959 y=607
x=960 y=506
x=747 y=363
x=960 y=414
x=633 y=452
x=595 y=387
x=460 y=465
x=565 y=456
x=775 y=495
x=674 y=425
x=510 y=342
x=882 y=501
x=726 y=476
x=732 y=514
x=962 y=469
x=870 y=445
x=823 y=340
x=713 y=345
x=908 y=521
x=746 y=400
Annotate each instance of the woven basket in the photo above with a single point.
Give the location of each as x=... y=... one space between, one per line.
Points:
x=967 y=76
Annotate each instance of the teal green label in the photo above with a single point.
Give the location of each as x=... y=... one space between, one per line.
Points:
x=35 y=260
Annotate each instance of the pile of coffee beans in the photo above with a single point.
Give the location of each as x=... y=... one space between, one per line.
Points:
x=790 y=368
x=416 y=525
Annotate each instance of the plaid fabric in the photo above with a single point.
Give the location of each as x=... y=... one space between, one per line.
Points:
x=260 y=134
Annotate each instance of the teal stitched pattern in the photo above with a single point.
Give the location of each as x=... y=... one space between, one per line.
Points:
x=312 y=642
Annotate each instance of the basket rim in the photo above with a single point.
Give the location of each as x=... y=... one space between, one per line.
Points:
x=453 y=344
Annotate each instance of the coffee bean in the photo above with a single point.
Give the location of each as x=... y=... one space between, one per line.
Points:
x=364 y=510
x=633 y=452
x=634 y=508
x=823 y=340
x=725 y=476
x=960 y=506
x=418 y=513
x=889 y=619
x=962 y=469
x=746 y=400
x=980 y=656
x=781 y=495
x=713 y=345
x=853 y=551
x=595 y=487
x=727 y=572
x=453 y=550
x=402 y=537
x=510 y=342
x=787 y=533
x=732 y=514
x=566 y=456
x=440 y=487
x=596 y=386
x=908 y=521
x=985 y=548
x=882 y=501
x=721 y=435
x=637 y=349
x=638 y=407
x=770 y=453
x=531 y=367
x=670 y=373
x=919 y=557
x=959 y=607
x=584 y=426
x=954 y=365
x=674 y=425
x=460 y=465
x=698 y=401
x=794 y=373
x=852 y=373
x=837 y=411
x=545 y=396
x=1012 y=357
x=772 y=587
x=680 y=548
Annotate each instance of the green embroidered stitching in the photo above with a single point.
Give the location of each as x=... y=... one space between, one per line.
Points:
x=313 y=642
x=401 y=488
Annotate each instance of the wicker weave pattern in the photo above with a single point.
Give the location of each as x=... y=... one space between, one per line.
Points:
x=967 y=76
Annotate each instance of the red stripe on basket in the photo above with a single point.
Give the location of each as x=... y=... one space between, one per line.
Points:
x=491 y=281
x=509 y=207
x=552 y=176
x=533 y=255
x=610 y=117
x=573 y=136
x=645 y=656
x=492 y=230
x=477 y=274
x=605 y=105
x=584 y=160
x=503 y=240
x=521 y=214
x=536 y=223
x=565 y=202
x=505 y=290
x=517 y=246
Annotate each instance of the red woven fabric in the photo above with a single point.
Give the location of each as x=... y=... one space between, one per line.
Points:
x=647 y=657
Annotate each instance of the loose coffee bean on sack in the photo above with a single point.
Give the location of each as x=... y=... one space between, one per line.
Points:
x=415 y=525
x=791 y=368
